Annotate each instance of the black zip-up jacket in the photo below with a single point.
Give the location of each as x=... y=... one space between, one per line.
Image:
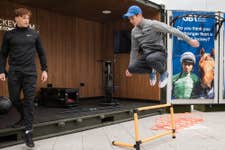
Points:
x=21 y=45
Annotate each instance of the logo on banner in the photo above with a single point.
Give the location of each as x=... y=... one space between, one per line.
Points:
x=194 y=19
x=6 y=25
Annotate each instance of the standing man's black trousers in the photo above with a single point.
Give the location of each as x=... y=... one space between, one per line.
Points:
x=18 y=81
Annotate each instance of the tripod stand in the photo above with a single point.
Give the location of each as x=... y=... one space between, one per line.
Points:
x=108 y=84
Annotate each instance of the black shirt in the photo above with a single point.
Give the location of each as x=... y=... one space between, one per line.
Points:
x=21 y=45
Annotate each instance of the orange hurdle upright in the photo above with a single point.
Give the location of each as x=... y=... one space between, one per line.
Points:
x=136 y=128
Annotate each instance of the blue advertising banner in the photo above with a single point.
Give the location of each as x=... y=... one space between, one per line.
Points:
x=193 y=68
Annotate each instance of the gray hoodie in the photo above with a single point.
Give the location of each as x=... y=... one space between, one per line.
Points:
x=149 y=37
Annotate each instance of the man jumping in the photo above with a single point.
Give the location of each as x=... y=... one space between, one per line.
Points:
x=147 y=39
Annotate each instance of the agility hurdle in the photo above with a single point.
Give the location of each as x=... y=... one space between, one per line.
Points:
x=136 y=129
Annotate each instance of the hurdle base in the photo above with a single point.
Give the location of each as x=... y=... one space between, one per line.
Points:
x=139 y=142
x=137 y=145
x=122 y=144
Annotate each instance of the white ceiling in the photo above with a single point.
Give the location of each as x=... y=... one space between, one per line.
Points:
x=203 y=5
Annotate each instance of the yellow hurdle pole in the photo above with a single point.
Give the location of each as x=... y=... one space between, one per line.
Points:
x=121 y=144
x=136 y=129
x=172 y=122
x=156 y=136
x=153 y=107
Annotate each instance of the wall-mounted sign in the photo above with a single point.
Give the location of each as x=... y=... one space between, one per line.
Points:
x=6 y=25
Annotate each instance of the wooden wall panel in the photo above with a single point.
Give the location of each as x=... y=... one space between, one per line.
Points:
x=72 y=45
x=135 y=87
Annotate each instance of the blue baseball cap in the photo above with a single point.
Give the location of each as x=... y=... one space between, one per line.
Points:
x=132 y=10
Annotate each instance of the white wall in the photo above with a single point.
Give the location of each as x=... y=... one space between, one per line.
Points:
x=216 y=5
x=158 y=1
x=201 y=5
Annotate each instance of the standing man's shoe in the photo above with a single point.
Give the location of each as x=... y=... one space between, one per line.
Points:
x=28 y=139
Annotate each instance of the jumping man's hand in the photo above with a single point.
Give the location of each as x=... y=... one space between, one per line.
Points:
x=194 y=43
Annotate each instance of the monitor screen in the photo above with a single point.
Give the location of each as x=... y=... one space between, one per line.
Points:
x=122 y=41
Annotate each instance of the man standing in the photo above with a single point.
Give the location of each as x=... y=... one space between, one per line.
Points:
x=21 y=45
x=147 y=36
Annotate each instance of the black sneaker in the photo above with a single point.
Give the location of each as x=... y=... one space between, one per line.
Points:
x=18 y=124
x=28 y=139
